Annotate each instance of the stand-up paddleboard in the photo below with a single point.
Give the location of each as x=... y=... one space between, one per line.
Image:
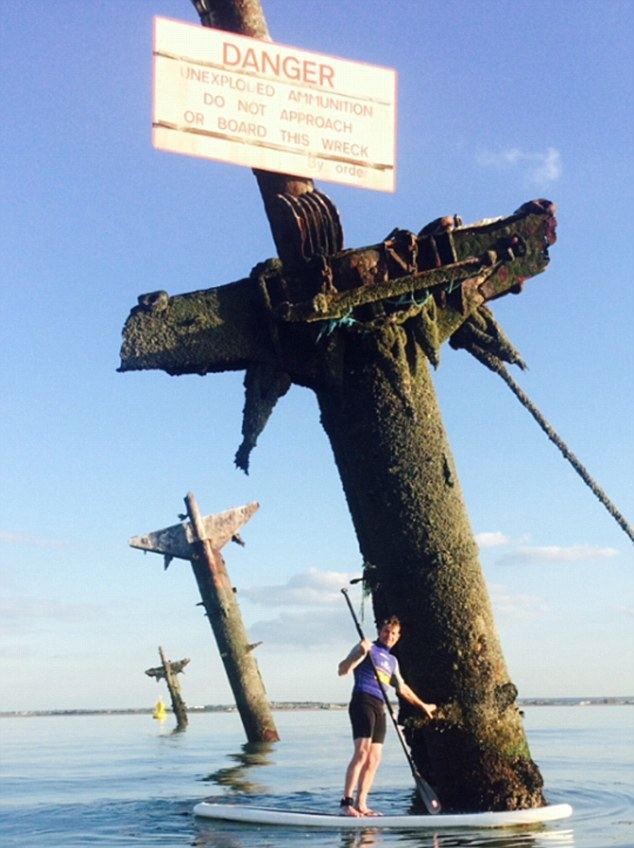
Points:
x=271 y=816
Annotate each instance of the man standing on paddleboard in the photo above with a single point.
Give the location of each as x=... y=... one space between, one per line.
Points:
x=369 y=660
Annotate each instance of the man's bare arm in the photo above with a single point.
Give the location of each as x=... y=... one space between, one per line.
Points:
x=412 y=698
x=356 y=656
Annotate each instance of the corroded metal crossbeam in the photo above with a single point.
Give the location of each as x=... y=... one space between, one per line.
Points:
x=233 y=326
x=176 y=541
x=177 y=667
x=475 y=263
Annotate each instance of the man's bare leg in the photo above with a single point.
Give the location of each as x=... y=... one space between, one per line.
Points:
x=356 y=766
x=366 y=776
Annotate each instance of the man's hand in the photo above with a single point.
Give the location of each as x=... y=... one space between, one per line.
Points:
x=356 y=655
x=365 y=646
x=409 y=695
x=430 y=709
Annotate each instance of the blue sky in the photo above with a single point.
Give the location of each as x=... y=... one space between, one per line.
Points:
x=499 y=102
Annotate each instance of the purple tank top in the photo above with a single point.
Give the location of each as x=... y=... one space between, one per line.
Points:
x=385 y=664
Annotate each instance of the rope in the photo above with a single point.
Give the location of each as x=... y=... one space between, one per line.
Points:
x=496 y=365
x=330 y=326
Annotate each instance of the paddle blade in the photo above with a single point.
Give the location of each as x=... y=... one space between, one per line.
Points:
x=427 y=796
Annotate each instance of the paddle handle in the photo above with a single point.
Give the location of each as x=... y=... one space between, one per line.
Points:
x=386 y=698
x=344 y=592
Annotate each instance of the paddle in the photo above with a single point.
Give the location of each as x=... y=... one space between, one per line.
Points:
x=425 y=792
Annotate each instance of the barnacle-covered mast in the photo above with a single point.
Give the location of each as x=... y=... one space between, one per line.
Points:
x=360 y=328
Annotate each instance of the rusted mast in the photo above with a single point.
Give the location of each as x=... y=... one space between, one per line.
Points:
x=226 y=622
x=200 y=542
x=378 y=406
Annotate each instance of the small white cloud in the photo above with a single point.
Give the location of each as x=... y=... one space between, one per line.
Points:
x=516 y=606
x=558 y=553
x=314 y=613
x=491 y=540
x=19 y=616
x=43 y=608
x=548 y=170
x=308 y=629
x=26 y=539
x=539 y=168
x=307 y=589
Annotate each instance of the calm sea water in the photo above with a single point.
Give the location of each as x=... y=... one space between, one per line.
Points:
x=129 y=781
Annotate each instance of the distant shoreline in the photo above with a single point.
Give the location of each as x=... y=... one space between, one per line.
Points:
x=282 y=706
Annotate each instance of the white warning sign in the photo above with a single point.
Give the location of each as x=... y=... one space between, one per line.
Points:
x=223 y=96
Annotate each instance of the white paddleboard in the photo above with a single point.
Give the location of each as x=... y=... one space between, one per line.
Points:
x=268 y=815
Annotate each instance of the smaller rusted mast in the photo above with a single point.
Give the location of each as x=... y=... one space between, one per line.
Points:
x=168 y=671
x=178 y=705
x=200 y=542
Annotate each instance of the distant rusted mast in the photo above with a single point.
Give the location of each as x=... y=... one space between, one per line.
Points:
x=168 y=671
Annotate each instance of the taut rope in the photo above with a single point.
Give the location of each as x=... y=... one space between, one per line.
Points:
x=495 y=364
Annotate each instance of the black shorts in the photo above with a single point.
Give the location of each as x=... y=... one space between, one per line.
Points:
x=367 y=715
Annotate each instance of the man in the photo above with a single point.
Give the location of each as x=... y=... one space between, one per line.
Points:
x=367 y=712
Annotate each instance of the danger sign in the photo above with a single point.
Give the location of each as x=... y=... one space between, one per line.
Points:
x=223 y=96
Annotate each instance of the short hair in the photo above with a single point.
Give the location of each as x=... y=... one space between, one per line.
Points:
x=392 y=621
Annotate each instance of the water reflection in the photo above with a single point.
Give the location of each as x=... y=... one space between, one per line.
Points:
x=508 y=838
x=232 y=836
x=237 y=777
x=360 y=838
x=209 y=839
x=515 y=837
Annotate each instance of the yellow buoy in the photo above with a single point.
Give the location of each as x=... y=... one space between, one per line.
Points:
x=159 y=711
